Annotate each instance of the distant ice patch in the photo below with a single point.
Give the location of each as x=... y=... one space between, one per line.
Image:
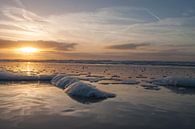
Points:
x=91 y=79
x=126 y=82
x=130 y=82
x=9 y=76
x=150 y=86
x=175 y=81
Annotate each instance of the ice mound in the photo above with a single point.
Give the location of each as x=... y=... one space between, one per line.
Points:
x=73 y=87
x=9 y=76
x=80 y=89
x=175 y=81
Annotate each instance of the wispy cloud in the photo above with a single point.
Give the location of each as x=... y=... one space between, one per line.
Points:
x=21 y=15
x=82 y=26
x=128 y=46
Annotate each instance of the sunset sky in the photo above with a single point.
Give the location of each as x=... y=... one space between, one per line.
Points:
x=98 y=29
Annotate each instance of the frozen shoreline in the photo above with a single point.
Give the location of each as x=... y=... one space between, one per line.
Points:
x=33 y=103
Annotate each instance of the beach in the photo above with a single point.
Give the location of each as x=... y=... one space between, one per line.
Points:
x=138 y=102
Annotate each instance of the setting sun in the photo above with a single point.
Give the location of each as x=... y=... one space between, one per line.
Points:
x=28 y=50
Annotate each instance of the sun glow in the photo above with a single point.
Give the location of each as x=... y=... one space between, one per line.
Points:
x=28 y=50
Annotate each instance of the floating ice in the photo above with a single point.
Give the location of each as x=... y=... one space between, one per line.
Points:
x=175 y=81
x=74 y=87
x=80 y=89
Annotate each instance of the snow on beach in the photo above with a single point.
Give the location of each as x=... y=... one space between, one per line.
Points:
x=71 y=85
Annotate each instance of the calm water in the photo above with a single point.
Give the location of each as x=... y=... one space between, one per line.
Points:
x=40 y=105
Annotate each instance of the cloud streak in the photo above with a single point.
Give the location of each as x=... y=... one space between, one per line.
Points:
x=46 y=45
x=128 y=46
x=82 y=26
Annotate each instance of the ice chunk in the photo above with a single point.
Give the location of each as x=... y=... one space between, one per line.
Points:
x=78 y=90
x=175 y=81
x=84 y=90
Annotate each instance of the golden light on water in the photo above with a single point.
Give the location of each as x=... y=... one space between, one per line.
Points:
x=28 y=50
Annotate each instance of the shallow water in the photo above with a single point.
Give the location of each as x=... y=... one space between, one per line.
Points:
x=35 y=105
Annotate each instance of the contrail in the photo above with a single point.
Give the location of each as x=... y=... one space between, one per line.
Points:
x=20 y=3
x=152 y=14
